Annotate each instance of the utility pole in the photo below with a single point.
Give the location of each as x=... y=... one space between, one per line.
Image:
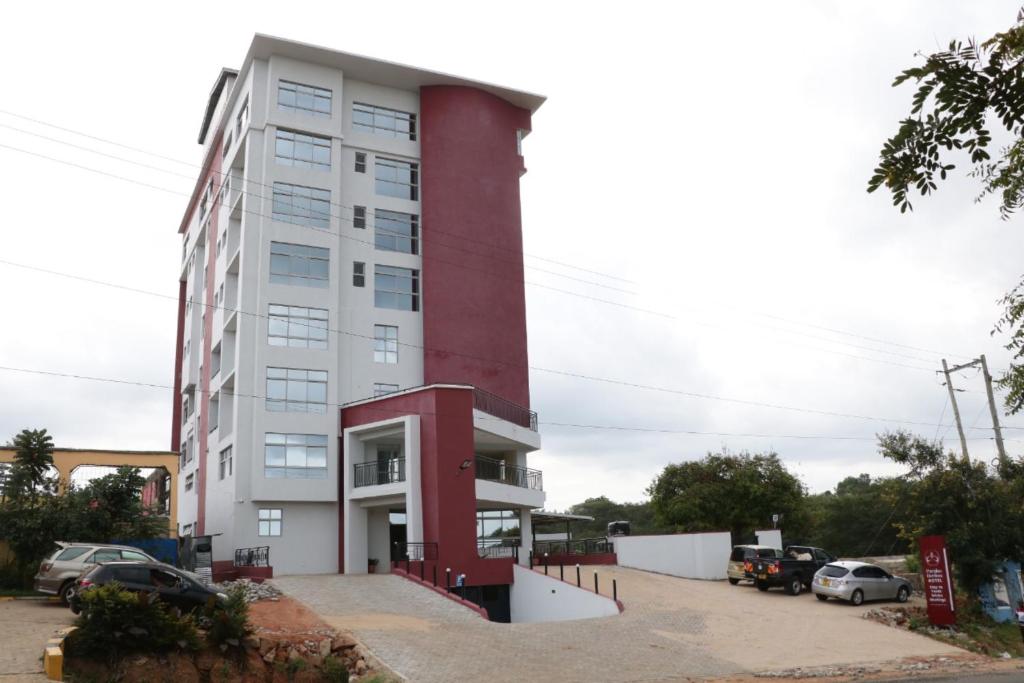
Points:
x=992 y=409
x=956 y=411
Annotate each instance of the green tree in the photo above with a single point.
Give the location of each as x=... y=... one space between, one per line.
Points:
x=977 y=507
x=960 y=92
x=860 y=517
x=639 y=515
x=30 y=475
x=726 y=492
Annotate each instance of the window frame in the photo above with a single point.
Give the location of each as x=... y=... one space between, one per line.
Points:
x=226 y=458
x=300 y=254
x=287 y=381
x=281 y=137
x=285 y=441
x=384 y=114
x=382 y=294
x=398 y=165
x=384 y=219
x=385 y=346
x=301 y=205
x=270 y=520
x=312 y=91
x=379 y=390
x=300 y=318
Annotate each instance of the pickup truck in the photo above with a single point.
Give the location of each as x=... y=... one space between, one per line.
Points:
x=794 y=571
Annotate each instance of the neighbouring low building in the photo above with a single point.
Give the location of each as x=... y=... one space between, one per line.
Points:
x=351 y=373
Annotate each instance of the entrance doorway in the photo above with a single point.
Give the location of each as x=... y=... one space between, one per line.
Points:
x=398 y=537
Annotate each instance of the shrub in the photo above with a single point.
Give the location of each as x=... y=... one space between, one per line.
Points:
x=334 y=670
x=115 y=622
x=913 y=563
x=228 y=622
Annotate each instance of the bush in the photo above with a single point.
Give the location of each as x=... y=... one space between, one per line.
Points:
x=228 y=622
x=115 y=622
x=913 y=564
x=334 y=670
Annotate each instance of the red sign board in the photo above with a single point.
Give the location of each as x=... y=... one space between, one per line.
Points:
x=938 y=581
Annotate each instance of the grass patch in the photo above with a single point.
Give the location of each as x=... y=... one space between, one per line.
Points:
x=19 y=593
x=975 y=631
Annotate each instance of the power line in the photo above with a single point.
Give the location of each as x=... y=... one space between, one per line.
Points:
x=225 y=392
x=222 y=174
x=553 y=371
x=460 y=237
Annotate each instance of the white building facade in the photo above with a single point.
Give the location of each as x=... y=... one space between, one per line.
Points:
x=349 y=242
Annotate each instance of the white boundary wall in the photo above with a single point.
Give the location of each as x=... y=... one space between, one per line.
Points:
x=771 y=537
x=534 y=597
x=691 y=556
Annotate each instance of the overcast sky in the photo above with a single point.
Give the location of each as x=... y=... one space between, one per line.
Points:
x=714 y=155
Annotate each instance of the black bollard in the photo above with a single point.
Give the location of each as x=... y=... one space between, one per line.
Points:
x=615 y=590
x=561 y=571
x=579 y=584
x=448 y=579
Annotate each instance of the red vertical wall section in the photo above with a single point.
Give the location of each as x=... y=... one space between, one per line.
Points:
x=474 y=302
x=179 y=349
x=449 y=493
x=203 y=395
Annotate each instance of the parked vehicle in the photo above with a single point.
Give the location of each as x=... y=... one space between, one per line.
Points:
x=741 y=554
x=174 y=586
x=856 y=582
x=57 y=573
x=794 y=571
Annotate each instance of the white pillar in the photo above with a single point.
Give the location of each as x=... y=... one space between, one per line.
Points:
x=525 y=536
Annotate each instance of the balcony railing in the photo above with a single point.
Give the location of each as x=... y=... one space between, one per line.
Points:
x=583 y=546
x=378 y=472
x=500 y=471
x=489 y=551
x=253 y=557
x=414 y=551
x=486 y=402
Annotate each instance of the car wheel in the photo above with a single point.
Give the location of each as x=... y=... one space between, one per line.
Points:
x=821 y=597
x=67 y=593
x=794 y=586
x=734 y=581
x=857 y=598
x=902 y=594
x=761 y=586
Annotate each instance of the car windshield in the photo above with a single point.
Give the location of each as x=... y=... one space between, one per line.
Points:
x=739 y=554
x=834 y=571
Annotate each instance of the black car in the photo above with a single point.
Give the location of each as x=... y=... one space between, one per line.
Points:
x=171 y=585
x=793 y=571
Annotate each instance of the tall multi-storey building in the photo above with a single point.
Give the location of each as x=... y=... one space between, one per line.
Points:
x=351 y=370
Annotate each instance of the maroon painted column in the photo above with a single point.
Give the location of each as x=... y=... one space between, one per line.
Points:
x=474 y=303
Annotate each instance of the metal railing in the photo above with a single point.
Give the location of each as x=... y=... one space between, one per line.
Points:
x=378 y=472
x=489 y=551
x=514 y=475
x=583 y=546
x=253 y=557
x=497 y=406
x=414 y=551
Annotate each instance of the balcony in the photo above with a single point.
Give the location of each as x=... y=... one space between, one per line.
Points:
x=377 y=472
x=486 y=402
x=501 y=472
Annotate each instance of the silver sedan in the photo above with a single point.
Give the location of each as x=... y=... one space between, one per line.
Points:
x=856 y=582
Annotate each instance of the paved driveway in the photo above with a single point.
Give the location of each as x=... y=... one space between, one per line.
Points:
x=672 y=629
x=25 y=626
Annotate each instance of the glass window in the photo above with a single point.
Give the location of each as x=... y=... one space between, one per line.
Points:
x=303 y=150
x=395 y=178
x=358 y=274
x=382 y=121
x=296 y=391
x=301 y=205
x=270 y=521
x=134 y=556
x=360 y=162
x=133 y=574
x=384 y=389
x=297 y=264
x=242 y=118
x=385 y=344
x=396 y=288
x=295 y=456
x=396 y=231
x=739 y=554
x=834 y=571
x=358 y=216
x=189 y=482
x=71 y=553
x=106 y=555
x=297 y=327
x=225 y=464
x=306 y=99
